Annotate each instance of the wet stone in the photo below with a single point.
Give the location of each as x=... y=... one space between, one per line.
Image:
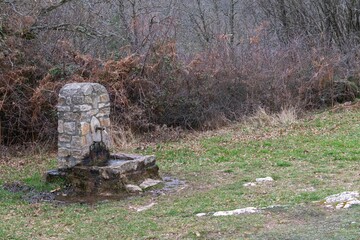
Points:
x=149 y=183
x=133 y=188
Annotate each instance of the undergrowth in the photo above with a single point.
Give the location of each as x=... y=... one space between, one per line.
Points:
x=161 y=87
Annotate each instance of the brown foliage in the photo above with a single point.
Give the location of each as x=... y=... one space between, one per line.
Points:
x=159 y=88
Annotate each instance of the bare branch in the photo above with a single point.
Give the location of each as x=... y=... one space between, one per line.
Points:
x=46 y=10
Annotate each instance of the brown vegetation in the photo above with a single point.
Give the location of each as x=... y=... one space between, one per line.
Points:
x=158 y=85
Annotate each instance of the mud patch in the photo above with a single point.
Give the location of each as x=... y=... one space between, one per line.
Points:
x=29 y=194
x=67 y=196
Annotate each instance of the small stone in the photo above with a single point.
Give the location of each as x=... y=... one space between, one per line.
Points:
x=342 y=197
x=267 y=179
x=144 y=208
x=148 y=183
x=201 y=214
x=236 y=212
x=105 y=175
x=250 y=184
x=133 y=188
x=149 y=160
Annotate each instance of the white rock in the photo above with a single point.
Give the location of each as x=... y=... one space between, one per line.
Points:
x=144 y=208
x=267 y=179
x=350 y=203
x=249 y=184
x=236 y=212
x=133 y=188
x=342 y=197
x=148 y=183
x=340 y=205
x=201 y=214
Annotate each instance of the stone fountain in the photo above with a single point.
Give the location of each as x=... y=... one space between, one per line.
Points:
x=84 y=158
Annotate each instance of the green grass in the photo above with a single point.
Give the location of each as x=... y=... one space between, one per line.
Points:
x=321 y=154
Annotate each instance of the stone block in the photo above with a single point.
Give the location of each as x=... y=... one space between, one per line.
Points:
x=87 y=89
x=88 y=100
x=99 y=88
x=104 y=98
x=63 y=108
x=60 y=126
x=70 y=128
x=95 y=102
x=78 y=142
x=86 y=116
x=64 y=145
x=61 y=101
x=78 y=100
x=104 y=111
x=88 y=140
x=104 y=122
x=149 y=161
x=84 y=128
x=133 y=188
x=82 y=108
x=104 y=105
x=63 y=152
x=64 y=138
x=68 y=101
x=149 y=183
x=71 y=116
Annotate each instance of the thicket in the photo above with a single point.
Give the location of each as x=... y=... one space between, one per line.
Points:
x=159 y=86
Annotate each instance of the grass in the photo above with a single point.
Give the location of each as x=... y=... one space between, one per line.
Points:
x=308 y=159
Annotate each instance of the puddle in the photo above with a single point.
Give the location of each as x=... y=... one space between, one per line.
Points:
x=114 y=163
x=67 y=196
x=170 y=185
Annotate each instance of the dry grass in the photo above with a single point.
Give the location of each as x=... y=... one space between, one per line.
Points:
x=262 y=118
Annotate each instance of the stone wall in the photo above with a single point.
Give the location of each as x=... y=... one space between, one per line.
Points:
x=83 y=109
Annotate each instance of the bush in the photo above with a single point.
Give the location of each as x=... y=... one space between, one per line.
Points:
x=159 y=87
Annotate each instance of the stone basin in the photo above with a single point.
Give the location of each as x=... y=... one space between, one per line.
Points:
x=112 y=178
